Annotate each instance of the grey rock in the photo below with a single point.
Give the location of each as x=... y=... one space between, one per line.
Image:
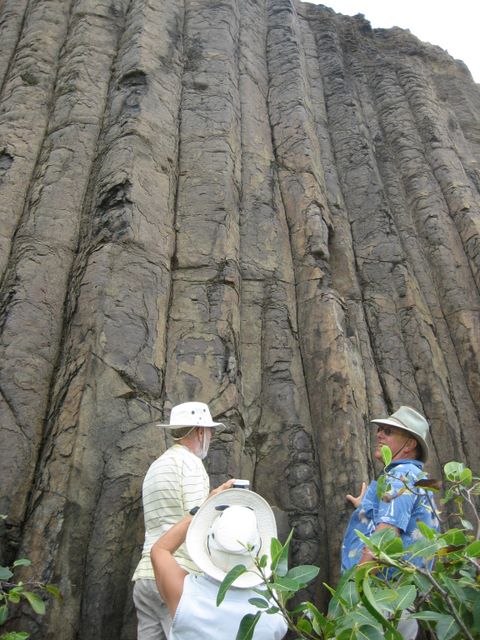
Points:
x=260 y=204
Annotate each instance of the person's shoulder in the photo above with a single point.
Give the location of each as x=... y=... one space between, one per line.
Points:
x=167 y=459
x=407 y=469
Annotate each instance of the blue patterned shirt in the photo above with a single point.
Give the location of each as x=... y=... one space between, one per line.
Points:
x=401 y=509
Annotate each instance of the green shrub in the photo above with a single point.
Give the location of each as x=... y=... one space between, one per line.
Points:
x=13 y=591
x=444 y=595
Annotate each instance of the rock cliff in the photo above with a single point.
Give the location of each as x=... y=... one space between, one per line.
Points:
x=260 y=204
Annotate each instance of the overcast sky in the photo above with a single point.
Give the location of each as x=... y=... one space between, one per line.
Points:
x=454 y=26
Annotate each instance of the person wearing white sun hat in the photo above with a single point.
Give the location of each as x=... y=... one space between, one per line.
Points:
x=229 y=529
x=406 y=433
x=175 y=483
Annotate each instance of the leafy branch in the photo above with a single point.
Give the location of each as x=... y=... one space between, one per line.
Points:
x=13 y=591
x=443 y=594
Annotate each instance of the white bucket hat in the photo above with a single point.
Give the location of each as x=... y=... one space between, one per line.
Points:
x=190 y=414
x=222 y=528
x=410 y=420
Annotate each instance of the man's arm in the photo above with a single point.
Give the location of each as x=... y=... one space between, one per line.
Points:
x=169 y=575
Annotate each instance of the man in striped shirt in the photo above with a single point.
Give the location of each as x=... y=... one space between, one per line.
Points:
x=175 y=484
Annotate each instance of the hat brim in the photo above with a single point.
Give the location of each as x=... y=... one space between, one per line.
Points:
x=212 y=425
x=203 y=519
x=393 y=422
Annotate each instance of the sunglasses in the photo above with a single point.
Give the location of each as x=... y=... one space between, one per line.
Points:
x=388 y=431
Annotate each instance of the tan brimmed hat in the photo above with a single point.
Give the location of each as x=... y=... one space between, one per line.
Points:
x=190 y=414
x=410 y=420
x=222 y=528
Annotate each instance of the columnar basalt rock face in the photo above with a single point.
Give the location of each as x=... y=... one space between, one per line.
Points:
x=259 y=204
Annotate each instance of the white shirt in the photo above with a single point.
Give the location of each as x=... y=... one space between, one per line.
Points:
x=198 y=617
x=175 y=483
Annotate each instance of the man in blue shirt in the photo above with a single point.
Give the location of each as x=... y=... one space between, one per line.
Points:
x=405 y=432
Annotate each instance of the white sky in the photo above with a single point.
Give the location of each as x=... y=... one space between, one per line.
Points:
x=453 y=26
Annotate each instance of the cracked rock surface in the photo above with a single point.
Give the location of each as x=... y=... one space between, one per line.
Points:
x=260 y=204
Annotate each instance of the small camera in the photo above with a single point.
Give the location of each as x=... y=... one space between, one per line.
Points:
x=241 y=484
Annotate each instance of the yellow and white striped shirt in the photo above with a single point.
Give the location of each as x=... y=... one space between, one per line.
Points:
x=175 y=483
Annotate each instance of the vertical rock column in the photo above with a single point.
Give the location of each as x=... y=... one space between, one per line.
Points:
x=86 y=509
x=278 y=449
x=331 y=358
x=415 y=198
x=203 y=324
x=43 y=244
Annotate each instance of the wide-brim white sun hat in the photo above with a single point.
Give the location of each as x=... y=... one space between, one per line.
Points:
x=410 y=420
x=190 y=414
x=199 y=536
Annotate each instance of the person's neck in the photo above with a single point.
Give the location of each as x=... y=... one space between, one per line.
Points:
x=190 y=445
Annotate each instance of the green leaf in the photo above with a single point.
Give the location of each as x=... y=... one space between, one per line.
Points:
x=22 y=562
x=386 y=624
x=363 y=537
x=386 y=455
x=367 y=632
x=5 y=573
x=466 y=477
x=381 y=536
x=54 y=590
x=347 y=634
x=304 y=625
x=386 y=599
x=453 y=470
x=229 y=579
x=280 y=563
x=382 y=486
x=427 y=532
x=272 y=610
x=275 y=549
x=3 y=613
x=37 y=604
x=349 y=594
x=262 y=563
x=367 y=590
x=247 y=626
x=425 y=548
x=304 y=573
x=363 y=632
x=455 y=537
x=319 y=621
x=406 y=597
x=357 y=618
x=384 y=540
x=260 y=603
x=453 y=587
x=393 y=547
x=473 y=550
x=336 y=605
x=446 y=628
x=422 y=582
x=14 y=595
x=429 y=616
x=285 y=584
x=466 y=524
x=15 y=635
